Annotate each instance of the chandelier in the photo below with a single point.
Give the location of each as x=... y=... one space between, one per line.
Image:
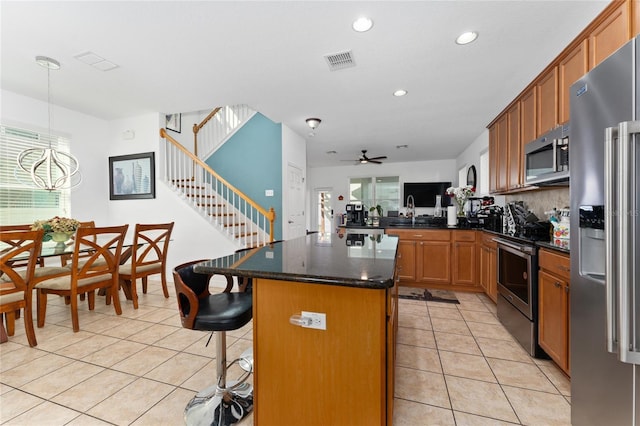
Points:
x=48 y=168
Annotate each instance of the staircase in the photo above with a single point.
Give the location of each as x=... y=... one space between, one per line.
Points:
x=217 y=127
x=223 y=205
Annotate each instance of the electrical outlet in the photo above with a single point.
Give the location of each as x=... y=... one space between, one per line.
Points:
x=318 y=320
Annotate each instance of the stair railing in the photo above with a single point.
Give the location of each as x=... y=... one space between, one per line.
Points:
x=217 y=127
x=225 y=205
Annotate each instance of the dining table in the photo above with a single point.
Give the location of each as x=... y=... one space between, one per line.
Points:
x=51 y=250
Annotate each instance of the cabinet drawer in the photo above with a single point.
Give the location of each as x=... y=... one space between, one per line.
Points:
x=420 y=234
x=556 y=263
x=487 y=240
x=464 y=236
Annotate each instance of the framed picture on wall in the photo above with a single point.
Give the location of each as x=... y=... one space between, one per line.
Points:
x=174 y=122
x=132 y=177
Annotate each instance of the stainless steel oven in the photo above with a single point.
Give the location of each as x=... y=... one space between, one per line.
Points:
x=518 y=292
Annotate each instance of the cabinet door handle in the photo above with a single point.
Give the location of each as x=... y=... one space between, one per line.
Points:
x=557 y=284
x=566 y=289
x=563 y=268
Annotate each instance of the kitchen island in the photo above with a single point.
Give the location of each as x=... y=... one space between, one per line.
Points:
x=342 y=372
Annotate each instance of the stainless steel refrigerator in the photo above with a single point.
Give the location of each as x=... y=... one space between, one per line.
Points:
x=605 y=243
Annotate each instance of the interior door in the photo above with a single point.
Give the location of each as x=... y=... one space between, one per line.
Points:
x=323 y=217
x=295 y=203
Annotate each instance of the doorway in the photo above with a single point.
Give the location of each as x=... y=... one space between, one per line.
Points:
x=323 y=210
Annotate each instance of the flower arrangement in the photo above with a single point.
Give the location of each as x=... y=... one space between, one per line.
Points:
x=56 y=225
x=460 y=194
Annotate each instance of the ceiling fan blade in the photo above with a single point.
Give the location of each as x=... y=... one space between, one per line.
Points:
x=374 y=161
x=384 y=157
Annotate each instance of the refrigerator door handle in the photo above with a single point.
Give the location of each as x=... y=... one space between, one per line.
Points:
x=628 y=346
x=610 y=201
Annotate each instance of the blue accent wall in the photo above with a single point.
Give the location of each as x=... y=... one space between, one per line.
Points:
x=251 y=160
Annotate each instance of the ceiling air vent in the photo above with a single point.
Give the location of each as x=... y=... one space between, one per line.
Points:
x=338 y=61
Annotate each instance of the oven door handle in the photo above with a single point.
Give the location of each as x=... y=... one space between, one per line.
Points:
x=511 y=244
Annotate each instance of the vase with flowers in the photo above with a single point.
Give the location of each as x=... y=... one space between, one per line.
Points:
x=58 y=229
x=460 y=195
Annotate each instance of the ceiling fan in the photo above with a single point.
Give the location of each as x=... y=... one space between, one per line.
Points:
x=364 y=159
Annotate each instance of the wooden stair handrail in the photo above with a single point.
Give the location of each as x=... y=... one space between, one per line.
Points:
x=197 y=127
x=270 y=214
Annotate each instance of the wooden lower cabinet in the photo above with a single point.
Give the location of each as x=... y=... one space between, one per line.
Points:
x=407 y=260
x=488 y=266
x=434 y=262
x=554 y=305
x=465 y=259
x=443 y=259
x=341 y=375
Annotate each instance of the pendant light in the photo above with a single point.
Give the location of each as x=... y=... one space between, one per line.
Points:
x=48 y=168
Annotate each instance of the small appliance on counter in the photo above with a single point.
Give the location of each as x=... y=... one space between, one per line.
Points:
x=520 y=222
x=356 y=215
x=488 y=217
x=482 y=213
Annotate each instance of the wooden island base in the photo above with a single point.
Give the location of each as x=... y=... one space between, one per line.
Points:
x=339 y=376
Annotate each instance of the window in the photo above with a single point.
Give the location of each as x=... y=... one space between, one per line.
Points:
x=372 y=191
x=483 y=187
x=19 y=202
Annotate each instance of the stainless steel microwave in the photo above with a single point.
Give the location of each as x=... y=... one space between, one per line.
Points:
x=546 y=159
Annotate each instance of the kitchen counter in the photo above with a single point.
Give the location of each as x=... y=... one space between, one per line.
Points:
x=357 y=260
x=559 y=245
x=314 y=373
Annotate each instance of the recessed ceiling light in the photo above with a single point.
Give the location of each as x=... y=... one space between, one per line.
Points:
x=332 y=152
x=466 y=38
x=362 y=24
x=400 y=92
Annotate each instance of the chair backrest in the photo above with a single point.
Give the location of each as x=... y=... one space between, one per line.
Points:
x=104 y=245
x=190 y=287
x=150 y=245
x=22 y=245
x=65 y=258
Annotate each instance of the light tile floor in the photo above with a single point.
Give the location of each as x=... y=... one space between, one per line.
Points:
x=456 y=366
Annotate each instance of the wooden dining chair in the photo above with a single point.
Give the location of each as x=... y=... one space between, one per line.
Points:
x=14 y=280
x=100 y=270
x=65 y=259
x=26 y=227
x=148 y=257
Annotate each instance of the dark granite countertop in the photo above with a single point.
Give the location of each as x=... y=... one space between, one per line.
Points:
x=559 y=245
x=352 y=260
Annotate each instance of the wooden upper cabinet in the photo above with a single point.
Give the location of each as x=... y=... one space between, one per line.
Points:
x=571 y=68
x=635 y=7
x=502 y=154
x=515 y=173
x=493 y=158
x=547 y=102
x=528 y=117
x=610 y=34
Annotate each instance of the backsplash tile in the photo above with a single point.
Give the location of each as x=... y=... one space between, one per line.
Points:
x=543 y=200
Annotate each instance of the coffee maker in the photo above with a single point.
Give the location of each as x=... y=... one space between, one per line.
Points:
x=356 y=215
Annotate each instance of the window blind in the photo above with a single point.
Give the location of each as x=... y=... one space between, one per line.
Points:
x=20 y=202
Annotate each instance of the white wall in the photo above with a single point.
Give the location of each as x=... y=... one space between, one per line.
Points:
x=93 y=141
x=471 y=156
x=338 y=177
x=89 y=143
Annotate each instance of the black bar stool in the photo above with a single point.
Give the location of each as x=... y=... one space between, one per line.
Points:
x=225 y=402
